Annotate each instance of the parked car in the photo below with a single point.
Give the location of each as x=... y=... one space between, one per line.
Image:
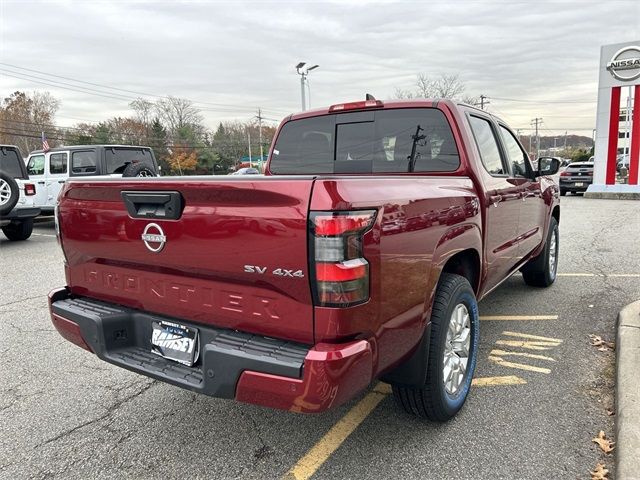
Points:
x=576 y=177
x=305 y=316
x=622 y=161
x=246 y=171
x=17 y=194
x=52 y=168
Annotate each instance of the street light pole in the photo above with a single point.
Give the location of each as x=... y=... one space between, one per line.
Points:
x=303 y=72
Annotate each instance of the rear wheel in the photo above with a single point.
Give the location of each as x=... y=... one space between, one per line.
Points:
x=541 y=271
x=18 y=230
x=452 y=356
x=9 y=193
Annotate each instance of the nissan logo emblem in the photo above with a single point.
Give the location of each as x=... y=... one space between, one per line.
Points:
x=153 y=237
x=619 y=65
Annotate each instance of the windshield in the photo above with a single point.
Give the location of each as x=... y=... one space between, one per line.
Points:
x=118 y=158
x=11 y=163
x=382 y=141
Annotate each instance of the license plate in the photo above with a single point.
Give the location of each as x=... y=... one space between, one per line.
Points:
x=175 y=342
x=579 y=184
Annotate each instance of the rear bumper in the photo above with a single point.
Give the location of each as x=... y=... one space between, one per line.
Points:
x=21 y=213
x=570 y=185
x=250 y=368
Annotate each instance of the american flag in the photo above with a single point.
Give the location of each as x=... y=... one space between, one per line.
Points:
x=45 y=143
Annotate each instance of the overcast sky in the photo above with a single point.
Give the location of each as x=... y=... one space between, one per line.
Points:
x=238 y=56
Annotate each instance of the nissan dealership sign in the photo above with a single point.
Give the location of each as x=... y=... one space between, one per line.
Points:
x=625 y=64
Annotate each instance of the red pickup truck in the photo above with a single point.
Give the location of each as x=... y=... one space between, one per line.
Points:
x=360 y=254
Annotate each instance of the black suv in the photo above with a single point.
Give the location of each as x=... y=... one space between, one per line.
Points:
x=576 y=177
x=16 y=195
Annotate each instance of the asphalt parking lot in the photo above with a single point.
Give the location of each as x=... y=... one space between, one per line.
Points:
x=542 y=391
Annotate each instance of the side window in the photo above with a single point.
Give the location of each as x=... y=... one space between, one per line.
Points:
x=83 y=162
x=36 y=165
x=517 y=157
x=58 y=163
x=488 y=145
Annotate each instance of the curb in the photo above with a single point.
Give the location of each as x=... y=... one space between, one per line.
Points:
x=628 y=393
x=613 y=195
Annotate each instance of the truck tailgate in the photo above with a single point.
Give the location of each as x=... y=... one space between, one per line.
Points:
x=236 y=257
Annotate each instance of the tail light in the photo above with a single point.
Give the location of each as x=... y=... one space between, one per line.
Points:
x=340 y=271
x=565 y=174
x=29 y=189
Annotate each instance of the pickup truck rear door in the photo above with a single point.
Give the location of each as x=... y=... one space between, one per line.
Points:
x=502 y=203
x=532 y=206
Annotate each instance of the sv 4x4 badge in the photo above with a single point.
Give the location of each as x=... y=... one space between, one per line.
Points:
x=281 y=272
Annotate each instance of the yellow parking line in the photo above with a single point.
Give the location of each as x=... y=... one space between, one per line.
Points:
x=518 y=317
x=526 y=344
x=630 y=275
x=576 y=275
x=504 y=380
x=309 y=464
x=329 y=443
x=533 y=337
x=504 y=353
x=500 y=361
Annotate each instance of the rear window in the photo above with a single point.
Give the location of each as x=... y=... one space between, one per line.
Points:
x=11 y=163
x=117 y=159
x=381 y=141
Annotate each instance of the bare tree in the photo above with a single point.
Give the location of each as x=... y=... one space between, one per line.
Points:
x=144 y=110
x=24 y=116
x=178 y=113
x=444 y=86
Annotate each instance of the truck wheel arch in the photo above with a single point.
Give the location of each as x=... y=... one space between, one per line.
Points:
x=458 y=253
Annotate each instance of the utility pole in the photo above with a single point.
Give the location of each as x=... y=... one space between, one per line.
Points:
x=249 y=138
x=565 y=141
x=537 y=122
x=259 y=117
x=484 y=100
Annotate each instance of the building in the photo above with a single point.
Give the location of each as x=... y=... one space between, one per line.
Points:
x=617 y=129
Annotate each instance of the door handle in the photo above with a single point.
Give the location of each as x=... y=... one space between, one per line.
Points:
x=495 y=200
x=41 y=183
x=60 y=181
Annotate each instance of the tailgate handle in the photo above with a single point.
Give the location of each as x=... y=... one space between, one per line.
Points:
x=163 y=205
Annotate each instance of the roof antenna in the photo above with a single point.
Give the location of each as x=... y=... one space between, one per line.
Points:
x=370 y=97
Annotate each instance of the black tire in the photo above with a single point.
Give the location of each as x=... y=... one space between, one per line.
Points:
x=538 y=271
x=9 y=193
x=20 y=230
x=433 y=401
x=563 y=192
x=139 y=169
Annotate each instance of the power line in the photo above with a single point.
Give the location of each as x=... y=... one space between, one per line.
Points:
x=138 y=93
x=544 y=101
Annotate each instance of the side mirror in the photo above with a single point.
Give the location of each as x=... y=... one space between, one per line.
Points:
x=547 y=166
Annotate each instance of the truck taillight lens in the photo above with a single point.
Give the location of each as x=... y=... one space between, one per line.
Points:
x=340 y=271
x=29 y=189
